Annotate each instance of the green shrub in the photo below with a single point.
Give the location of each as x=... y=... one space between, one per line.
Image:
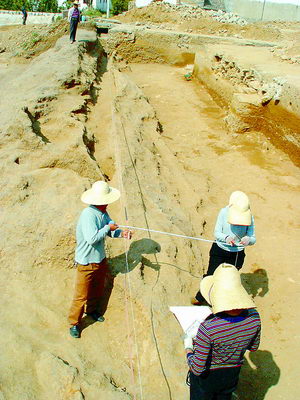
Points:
x=118 y=6
x=92 y=12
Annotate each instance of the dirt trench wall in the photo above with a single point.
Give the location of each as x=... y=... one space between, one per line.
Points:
x=156 y=193
x=135 y=46
x=256 y=99
x=140 y=44
x=46 y=163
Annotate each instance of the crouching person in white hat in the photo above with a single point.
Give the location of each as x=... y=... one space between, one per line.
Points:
x=92 y=268
x=215 y=355
x=234 y=231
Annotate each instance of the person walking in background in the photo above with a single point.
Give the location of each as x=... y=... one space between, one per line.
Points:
x=74 y=18
x=24 y=17
x=92 y=268
x=215 y=355
x=234 y=231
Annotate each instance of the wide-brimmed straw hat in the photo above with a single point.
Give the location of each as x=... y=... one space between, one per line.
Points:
x=100 y=193
x=76 y=3
x=239 y=209
x=224 y=290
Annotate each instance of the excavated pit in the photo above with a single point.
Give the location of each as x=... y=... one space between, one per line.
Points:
x=257 y=95
x=121 y=108
x=176 y=160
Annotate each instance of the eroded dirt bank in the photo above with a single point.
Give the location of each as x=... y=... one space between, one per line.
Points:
x=70 y=117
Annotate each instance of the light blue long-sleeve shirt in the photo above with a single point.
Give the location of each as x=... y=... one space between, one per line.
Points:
x=92 y=228
x=224 y=229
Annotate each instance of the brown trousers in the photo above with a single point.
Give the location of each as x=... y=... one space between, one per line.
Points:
x=89 y=289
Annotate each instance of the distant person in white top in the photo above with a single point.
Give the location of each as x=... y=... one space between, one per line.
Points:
x=74 y=18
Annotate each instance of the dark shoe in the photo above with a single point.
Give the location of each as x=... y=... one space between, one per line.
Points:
x=96 y=316
x=195 y=302
x=75 y=332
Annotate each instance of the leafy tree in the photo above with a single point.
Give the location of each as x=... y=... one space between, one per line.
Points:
x=30 y=5
x=66 y=4
x=118 y=6
x=33 y=5
x=3 y=4
x=12 y=4
x=48 y=6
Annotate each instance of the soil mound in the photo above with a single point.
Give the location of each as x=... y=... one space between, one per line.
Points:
x=194 y=19
x=31 y=40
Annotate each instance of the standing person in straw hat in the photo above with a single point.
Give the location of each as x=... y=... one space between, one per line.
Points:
x=215 y=355
x=74 y=18
x=93 y=226
x=234 y=231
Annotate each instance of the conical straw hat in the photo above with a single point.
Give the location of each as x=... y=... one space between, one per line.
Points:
x=239 y=209
x=100 y=193
x=224 y=291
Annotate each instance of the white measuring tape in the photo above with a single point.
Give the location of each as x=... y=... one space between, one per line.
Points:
x=166 y=233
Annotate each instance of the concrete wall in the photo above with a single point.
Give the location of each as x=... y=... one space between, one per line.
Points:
x=266 y=10
x=15 y=17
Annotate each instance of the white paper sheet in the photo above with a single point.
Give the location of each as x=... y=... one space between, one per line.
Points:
x=190 y=317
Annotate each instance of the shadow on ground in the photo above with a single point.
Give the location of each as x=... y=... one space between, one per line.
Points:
x=258 y=376
x=135 y=257
x=119 y=265
x=256 y=283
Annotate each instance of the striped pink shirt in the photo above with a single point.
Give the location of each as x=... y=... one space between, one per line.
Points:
x=222 y=340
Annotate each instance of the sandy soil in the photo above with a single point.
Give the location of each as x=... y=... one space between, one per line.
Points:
x=216 y=164
x=162 y=140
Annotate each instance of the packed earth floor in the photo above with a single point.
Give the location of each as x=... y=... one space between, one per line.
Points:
x=73 y=115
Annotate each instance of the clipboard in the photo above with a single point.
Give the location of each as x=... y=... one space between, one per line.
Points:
x=190 y=317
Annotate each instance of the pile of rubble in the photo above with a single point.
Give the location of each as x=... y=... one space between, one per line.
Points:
x=282 y=53
x=194 y=12
x=227 y=18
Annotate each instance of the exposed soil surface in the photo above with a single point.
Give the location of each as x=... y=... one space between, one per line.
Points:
x=70 y=116
x=160 y=14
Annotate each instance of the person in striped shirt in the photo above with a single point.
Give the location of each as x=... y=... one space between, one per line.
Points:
x=215 y=355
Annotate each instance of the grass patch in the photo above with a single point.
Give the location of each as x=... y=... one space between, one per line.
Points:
x=34 y=38
x=92 y=13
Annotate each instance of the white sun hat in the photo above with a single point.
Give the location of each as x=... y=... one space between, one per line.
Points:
x=224 y=290
x=239 y=209
x=100 y=193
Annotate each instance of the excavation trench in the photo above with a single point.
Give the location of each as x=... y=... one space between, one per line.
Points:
x=243 y=76
x=164 y=140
